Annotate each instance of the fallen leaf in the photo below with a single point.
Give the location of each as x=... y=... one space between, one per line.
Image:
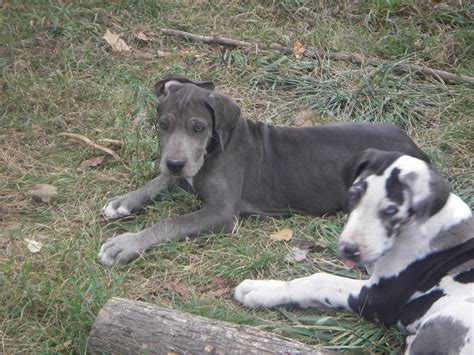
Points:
x=33 y=246
x=180 y=290
x=296 y=255
x=298 y=49
x=90 y=163
x=114 y=40
x=284 y=234
x=305 y=119
x=143 y=37
x=43 y=192
x=303 y=244
x=217 y=286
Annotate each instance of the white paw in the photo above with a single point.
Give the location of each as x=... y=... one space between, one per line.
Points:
x=262 y=293
x=121 y=249
x=113 y=209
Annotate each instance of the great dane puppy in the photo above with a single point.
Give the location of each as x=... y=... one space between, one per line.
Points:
x=240 y=167
x=419 y=236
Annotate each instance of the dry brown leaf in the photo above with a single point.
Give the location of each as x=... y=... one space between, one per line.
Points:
x=180 y=290
x=305 y=119
x=304 y=244
x=298 y=49
x=90 y=163
x=284 y=234
x=43 y=192
x=114 y=40
x=219 y=292
x=217 y=287
x=143 y=37
x=33 y=246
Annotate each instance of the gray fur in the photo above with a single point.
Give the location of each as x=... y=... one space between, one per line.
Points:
x=253 y=169
x=440 y=335
x=457 y=234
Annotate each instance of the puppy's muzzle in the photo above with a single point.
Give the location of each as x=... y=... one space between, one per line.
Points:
x=349 y=251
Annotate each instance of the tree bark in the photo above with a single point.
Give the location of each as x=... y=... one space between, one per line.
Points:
x=130 y=327
x=315 y=53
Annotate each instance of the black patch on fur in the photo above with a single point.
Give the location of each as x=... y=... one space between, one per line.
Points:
x=387 y=299
x=392 y=225
x=415 y=309
x=354 y=195
x=439 y=194
x=372 y=161
x=394 y=187
x=465 y=277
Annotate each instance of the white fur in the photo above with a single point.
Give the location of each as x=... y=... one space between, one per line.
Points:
x=311 y=291
x=110 y=212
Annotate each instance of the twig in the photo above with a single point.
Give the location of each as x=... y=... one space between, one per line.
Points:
x=314 y=53
x=208 y=39
x=113 y=142
x=90 y=143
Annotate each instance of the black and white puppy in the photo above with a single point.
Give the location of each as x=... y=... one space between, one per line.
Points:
x=419 y=238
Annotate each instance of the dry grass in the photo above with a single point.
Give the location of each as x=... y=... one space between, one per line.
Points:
x=58 y=74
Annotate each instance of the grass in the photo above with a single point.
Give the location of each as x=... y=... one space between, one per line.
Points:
x=58 y=74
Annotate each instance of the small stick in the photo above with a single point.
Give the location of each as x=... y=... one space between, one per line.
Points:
x=223 y=41
x=113 y=142
x=90 y=143
x=315 y=53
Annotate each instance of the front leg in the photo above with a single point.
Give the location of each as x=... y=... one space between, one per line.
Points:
x=313 y=291
x=127 y=247
x=122 y=206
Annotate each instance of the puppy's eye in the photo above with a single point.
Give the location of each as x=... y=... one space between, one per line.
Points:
x=198 y=128
x=164 y=125
x=390 y=211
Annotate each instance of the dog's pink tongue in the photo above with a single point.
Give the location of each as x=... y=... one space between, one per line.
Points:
x=350 y=263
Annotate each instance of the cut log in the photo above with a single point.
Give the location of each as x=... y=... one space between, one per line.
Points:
x=130 y=327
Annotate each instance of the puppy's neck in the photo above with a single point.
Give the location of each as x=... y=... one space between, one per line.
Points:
x=415 y=240
x=453 y=212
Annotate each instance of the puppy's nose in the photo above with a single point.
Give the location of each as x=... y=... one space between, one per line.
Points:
x=175 y=166
x=350 y=251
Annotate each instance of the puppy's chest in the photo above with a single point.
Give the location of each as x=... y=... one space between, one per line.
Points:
x=389 y=304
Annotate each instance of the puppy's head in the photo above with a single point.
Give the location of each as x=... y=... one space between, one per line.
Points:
x=190 y=117
x=387 y=189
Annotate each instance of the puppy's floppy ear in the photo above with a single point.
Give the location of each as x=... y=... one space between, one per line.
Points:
x=428 y=190
x=354 y=167
x=163 y=87
x=226 y=113
x=367 y=162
